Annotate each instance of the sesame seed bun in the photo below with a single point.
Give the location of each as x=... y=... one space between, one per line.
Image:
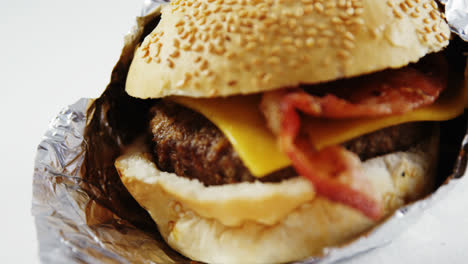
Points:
x=227 y=47
x=225 y=224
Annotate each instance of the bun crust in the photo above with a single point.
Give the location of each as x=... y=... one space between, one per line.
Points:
x=222 y=48
x=260 y=227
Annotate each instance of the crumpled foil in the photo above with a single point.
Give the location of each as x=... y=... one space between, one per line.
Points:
x=456 y=12
x=84 y=215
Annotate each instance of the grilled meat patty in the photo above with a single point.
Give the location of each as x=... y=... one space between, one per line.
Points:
x=188 y=144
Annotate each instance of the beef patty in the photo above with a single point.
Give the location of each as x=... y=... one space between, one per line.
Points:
x=188 y=144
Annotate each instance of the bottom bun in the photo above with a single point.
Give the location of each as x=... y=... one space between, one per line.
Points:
x=268 y=222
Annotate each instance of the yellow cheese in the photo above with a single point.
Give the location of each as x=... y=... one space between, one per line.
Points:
x=239 y=118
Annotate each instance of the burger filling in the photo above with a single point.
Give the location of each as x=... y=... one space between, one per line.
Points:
x=188 y=144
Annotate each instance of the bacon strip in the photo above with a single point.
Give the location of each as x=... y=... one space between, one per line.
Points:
x=335 y=172
x=383 y=93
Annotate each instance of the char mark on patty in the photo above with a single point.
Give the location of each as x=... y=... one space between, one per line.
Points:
x=186 y=143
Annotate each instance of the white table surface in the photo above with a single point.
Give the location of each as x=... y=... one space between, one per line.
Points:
x=54 y=52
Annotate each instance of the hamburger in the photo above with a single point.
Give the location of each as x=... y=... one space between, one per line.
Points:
x=279 y=128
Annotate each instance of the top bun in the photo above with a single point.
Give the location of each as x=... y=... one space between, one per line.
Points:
x=206 y=48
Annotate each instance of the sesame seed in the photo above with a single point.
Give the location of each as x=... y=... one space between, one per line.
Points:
x=175 y=54
x=375 y=32
x=267 y=78
x=230 y=55
x=308 y=9
x=445 y=37
x=348 y=44
x=327 y=33
x=348 y=35
x=359 y=21
x=180 y=83
x=409 y=3
x=319 y=7
x=396 y=14
x=292 y=23
x=211 y=47
x=299 y=43
x=222 y=17
x=180 y=30
x=219 y=50
x=202 y=21
x=170 y=63
x=187 y=76
x=310 y=42
x=322 y=26
x=192 y=38
x=204 y=65
x=198 y=48
x=186 y=47
x=299 y=32
x=439 y=38
x=336 y=20
x=299 y=12
x=185 y=35
x=144 y=53
x=250 y=46
x=424 y=36
x=179 y=23
x=330 y=5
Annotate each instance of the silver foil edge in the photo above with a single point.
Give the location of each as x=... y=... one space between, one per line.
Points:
x=456 y=13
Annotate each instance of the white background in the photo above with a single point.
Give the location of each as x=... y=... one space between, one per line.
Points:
x=54 y=52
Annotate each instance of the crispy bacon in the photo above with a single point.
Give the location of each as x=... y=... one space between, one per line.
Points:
x=382 y=93
x=335 y=172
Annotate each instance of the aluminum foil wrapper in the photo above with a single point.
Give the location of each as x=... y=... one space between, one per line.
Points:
x=456 y=12
x=84 y=214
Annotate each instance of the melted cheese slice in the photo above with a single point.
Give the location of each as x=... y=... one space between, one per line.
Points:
x=239 y=118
